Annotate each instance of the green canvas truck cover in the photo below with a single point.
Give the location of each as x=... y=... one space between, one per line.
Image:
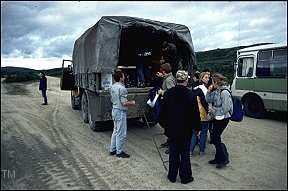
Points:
x=97 y=50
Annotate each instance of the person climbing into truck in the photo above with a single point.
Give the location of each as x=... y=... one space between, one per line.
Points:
x=169 y=53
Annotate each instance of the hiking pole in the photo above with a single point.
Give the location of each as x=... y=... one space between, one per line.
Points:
x=163 y=162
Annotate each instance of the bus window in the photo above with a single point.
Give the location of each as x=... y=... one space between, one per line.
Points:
x=279 y=63
x=245 y=67
x=272 y=63
x=263 y=64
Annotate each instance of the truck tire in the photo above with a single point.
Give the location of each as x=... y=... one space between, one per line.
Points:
x=96 y=126
x=84 y=107
x=74 y=103
x=254 y=107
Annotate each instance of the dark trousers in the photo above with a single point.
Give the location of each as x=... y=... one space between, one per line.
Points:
x=221 y=150
x=143 y=71
x=210 y=126
x=179 y=159
x=44 y=96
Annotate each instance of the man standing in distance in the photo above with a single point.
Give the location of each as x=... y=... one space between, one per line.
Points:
x=179 y=114
x=120 y=104
x=43 y=86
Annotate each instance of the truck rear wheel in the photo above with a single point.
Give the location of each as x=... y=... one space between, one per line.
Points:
x=84 y=107
x=254 y=107
x=74 y=103
x=99 y=126
x=96 y=126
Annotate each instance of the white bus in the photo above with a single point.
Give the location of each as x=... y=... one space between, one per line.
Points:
x=261 y=79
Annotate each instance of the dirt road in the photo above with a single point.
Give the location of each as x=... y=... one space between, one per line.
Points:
x=50 y=147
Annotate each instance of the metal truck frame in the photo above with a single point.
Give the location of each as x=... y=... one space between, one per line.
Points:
x=109 y=44
x=261 y=79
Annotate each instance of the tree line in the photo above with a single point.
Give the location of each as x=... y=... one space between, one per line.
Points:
x=17 y=74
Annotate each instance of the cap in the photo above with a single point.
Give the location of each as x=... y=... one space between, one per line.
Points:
x=182 y=75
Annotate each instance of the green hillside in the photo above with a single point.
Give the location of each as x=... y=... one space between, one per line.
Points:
x=220 y=60
x=18 y=74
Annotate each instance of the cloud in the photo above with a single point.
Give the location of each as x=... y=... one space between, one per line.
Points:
x=35 y=30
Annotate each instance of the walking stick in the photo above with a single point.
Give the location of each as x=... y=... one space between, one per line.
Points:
x=163 y=162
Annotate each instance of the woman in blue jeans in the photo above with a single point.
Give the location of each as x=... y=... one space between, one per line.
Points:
x=221 y=107
x=200 y=91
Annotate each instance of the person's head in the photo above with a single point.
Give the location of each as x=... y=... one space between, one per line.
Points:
x=207 y=70
x=167 y=68
x=196 y=76
x=164 y=46
x=182 y=77
x=41 y=73
x=204 y=77
x=118 y=76
x=218 y=80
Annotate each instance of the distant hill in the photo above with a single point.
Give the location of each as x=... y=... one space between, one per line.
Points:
x=18 y=74
x=14 y=70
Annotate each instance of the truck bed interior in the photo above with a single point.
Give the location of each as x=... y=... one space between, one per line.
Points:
x=137 y=38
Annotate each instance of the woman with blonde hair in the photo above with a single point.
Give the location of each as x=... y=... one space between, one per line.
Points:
x=200 y=91
x=221 y=108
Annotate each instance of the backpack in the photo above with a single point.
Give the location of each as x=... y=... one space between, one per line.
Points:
x=237 y=114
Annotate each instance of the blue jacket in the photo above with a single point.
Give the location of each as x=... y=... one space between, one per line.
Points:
x=152 y=94
x=43 y=83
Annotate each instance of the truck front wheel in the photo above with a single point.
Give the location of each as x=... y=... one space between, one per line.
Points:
x=84 y=107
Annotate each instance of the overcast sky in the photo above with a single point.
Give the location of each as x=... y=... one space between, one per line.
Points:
x=39 y=35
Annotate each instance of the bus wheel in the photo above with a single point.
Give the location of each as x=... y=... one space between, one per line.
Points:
x=84 y=107
x=254 y=107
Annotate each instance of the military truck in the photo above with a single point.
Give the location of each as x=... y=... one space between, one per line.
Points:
x=112 y=43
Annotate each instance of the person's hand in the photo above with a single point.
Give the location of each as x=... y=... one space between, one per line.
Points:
x=159 y=74
x=210 y=109
x=160 y=92
x=162 y=61
x=198 y=133
x=210 y=88
x=133 y=102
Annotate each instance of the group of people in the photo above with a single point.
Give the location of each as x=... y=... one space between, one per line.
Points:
x=144 y=61
x=185 y=114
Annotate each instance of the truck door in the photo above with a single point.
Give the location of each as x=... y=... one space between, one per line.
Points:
x=67 y=78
